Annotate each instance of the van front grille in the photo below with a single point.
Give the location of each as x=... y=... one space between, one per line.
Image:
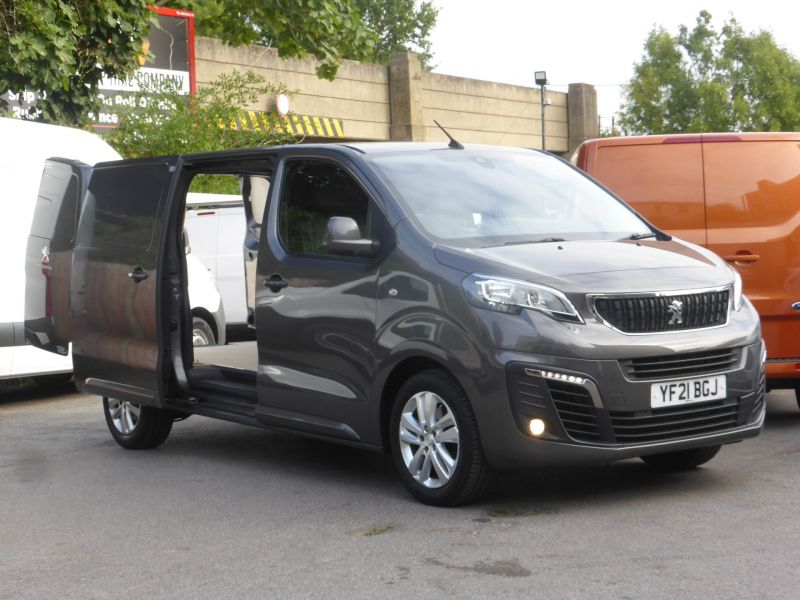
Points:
x=576 y=411
x=681 y=365
x=654 y=314
x=671 y=423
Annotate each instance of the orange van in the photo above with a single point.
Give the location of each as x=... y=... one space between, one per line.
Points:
x=736 y=194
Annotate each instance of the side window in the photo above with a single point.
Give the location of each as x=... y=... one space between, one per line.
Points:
x=313 y=192
x=56 y=212
x=128 y=202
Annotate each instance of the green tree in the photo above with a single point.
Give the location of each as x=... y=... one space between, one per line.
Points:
x=398 y=26
x=162 y=121
x=65 y=47
x=703 y=80
x=331 y=30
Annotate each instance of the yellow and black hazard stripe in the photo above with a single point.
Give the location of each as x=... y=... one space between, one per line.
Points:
x=300 y=125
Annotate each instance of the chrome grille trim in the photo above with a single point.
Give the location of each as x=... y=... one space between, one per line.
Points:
x=658 y=322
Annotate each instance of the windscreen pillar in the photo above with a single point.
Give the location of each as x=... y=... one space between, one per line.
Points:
x=581 y=114
x=405 y=98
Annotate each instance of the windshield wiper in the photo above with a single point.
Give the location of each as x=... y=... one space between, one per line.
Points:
x=541 y=241
x=640 y=236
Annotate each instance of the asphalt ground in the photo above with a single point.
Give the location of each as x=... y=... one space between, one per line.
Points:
x=228 y=511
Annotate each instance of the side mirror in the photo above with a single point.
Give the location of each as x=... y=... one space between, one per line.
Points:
x=344 y=237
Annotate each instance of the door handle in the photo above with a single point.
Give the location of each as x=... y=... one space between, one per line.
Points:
x=742 y=258
x=276 y=283
x=138 y=274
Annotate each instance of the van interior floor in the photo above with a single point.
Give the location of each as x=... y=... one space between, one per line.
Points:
x=236 y=355
x=225 y=374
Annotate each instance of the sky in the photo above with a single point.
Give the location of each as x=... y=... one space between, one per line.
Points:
x=577 y=41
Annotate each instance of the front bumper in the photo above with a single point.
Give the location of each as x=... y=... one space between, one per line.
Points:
x=599 y=412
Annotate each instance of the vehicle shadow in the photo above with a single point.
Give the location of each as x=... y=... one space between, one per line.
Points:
x=270 y=455
x=553 y=490
x=370 y=476
x=782 y=410
x=26 y=390
x=280 y=454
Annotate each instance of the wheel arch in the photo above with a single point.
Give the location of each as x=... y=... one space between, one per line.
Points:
x=401 y=372
x=199 y=311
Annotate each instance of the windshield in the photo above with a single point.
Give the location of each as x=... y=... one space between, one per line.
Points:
x=489 y=198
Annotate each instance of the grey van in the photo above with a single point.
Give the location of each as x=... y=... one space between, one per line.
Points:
x=464 y=309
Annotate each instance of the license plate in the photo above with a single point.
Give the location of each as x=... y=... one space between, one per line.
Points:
x=686 y=391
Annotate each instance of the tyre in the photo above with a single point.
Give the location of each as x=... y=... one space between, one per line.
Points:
x=435 y=443
x=797 y=396
x=136 y=427
x=202 y=334
x=682 y=460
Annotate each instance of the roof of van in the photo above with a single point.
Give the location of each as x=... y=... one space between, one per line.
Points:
x=360 y=147
x=379 y=147
x=43 y=141
x=691 y=138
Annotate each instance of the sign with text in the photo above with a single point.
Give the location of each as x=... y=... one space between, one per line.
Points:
x=168 y=56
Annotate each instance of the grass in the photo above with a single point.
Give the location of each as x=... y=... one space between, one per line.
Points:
x=378 y=530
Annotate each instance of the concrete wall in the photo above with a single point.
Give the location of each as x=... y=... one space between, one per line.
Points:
x=483 y=112
x=359 y=95
x=400 y=102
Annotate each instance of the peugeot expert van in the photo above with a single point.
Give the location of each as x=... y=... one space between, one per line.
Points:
x=465 y=309
x=736 y=194
x=24 y=146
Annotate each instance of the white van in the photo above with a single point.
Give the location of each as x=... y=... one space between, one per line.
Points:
x=24 y=146
x=218 y=240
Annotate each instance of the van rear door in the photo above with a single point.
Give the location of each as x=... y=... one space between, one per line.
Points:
x=48 y=261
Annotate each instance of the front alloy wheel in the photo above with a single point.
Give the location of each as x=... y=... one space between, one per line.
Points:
x=429 y=439
x=434 y=440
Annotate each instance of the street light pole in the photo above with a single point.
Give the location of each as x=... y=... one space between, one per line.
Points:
x=541 y=81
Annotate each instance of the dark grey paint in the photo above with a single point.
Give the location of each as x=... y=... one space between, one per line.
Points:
x=331 y=341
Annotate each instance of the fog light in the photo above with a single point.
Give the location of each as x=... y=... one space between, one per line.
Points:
x=537 y=427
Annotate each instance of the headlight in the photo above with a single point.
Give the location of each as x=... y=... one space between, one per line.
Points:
x=737 y=289
x=511 y=296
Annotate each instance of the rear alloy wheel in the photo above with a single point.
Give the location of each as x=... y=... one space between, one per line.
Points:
x=134 y=426
x=435 y=442
x=202 y=334
x=682 y=460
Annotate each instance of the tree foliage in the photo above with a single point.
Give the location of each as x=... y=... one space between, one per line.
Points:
x=398 y=26
x=703 y=80
x=64 y=48
x=331 y=30
x=162 y=121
